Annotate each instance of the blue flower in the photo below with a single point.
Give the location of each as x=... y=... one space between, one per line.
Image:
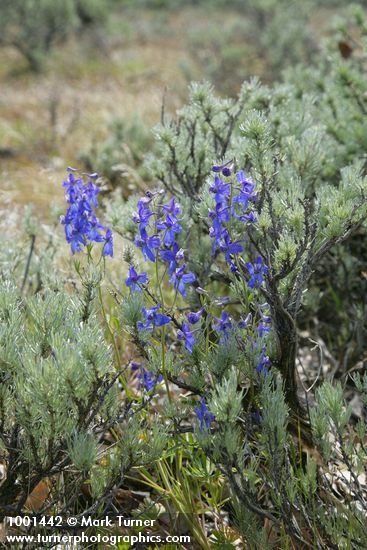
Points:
x=92 y=191
x=247 y=186
x=75 y=238
x=226 y=168
x=245 y=322
x=172 y=207
x=153 y=319
x=263 y=362
x=221 y=190
x=134 y=280
x=262 y=329
x=173 y=257
x=172 y=227
x=180 y=279
x=204 y=416
x=148 y=245
x=193 y=317
x=229 y=247
x=142 y=216
x=94 y=228
x=257 y=272
x=149 y=380
x=226 y=171
x=264 y=325
x=108 y=244
x=219 y=215
x=217 y=231
x=246 y=194
x=187 y=335
x=249 y=218
x=73 y=187
x=224 y=324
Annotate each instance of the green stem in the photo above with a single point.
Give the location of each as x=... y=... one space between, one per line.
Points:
x=163 y=346
x=122 y=378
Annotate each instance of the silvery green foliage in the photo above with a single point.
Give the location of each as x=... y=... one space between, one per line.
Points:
x=83 y=451
x=258 y=451
x=226 y=402
x=291 y=139
x=338 y=83
x=274 y=419
x=343 y=447
x=59 y=395
x=131 y=311
x=201 y=132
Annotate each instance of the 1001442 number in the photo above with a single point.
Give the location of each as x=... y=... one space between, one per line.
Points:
x=28 y=521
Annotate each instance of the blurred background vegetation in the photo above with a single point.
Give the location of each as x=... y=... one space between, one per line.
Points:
x=83 y=81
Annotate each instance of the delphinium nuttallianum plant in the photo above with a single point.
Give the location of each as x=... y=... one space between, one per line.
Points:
x=174 y=379
x=223 y=332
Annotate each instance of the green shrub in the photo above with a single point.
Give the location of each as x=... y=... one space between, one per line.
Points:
x=119 y=158
x=59 y=385
x=33 y=27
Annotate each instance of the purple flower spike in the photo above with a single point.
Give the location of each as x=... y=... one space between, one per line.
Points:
x=81 y=223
